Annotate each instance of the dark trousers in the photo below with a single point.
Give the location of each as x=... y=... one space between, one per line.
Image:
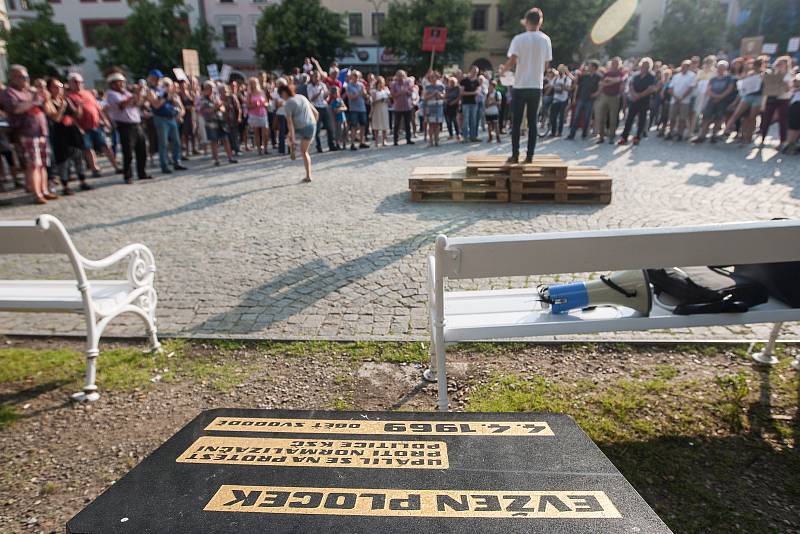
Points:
x=636 y=109
x=405 y=117
x=451 y=117
x=324 y=121
x=132 y=139
x=283 y=129
x=557 y=111
x=521 y=99
x=582 y=117
x=781 y=107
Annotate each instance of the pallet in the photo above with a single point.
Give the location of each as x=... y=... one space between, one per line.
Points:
x=544 y=164
x=583 y=185
x=430 y=180
x=459 y=196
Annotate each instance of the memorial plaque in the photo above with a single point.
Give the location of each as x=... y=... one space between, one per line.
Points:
x=276 y=471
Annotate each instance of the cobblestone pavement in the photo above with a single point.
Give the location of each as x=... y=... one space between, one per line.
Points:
x=246 y=250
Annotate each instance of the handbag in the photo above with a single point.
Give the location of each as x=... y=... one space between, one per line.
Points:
x=707 y=289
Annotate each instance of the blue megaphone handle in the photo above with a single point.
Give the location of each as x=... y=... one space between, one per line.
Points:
x=568 y=297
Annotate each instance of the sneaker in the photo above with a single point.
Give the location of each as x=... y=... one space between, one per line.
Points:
x=528 y=160
x=363 y=145
x=571 y=137
x=409 y=142
x=67 y=192
x=166 y=171
x=353 y=147
x=697 y=140
x=319 y=150
x=513 y=160
x=179 y=167
x=233 y=160
x=635 y=141
x=622 y=141
x=600 y=141
x=86 y=187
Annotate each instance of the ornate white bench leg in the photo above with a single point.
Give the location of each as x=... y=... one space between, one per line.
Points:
x=89 y=392
x=155 y=346
x=766 y=356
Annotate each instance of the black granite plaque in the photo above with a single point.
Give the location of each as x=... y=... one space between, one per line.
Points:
x=243 y=471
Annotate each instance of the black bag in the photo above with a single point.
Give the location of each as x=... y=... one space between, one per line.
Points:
x=782 y=280
x=708 y=289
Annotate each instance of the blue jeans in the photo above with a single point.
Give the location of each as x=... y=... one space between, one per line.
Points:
x=583 y=109
x=167 y=132
x=470 y=112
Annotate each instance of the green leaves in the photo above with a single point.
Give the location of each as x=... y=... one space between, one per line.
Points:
x=405 y=22
x=289 y=32
x=152 y=38
x=688 y=28
x=41 y=45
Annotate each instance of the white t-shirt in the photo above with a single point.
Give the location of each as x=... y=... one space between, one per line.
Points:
x=561 y=87
x=533 y=50
x=681 y=83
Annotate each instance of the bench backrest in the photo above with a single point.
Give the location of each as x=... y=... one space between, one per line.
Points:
x=610 y=250
x=45 y=235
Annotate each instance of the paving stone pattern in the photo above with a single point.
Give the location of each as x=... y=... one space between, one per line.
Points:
x=246 y=250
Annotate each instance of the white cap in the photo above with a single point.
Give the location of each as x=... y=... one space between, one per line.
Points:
x=75 y=76
x=116 y=77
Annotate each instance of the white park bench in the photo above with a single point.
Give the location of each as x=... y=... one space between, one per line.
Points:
x=457 y=316
x=99 y=300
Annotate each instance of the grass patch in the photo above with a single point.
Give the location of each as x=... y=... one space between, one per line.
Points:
x=8 y=414
x=686 y=444
x=121 y=369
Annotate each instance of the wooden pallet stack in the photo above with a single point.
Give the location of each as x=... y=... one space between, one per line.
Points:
x=455 y=184
x=547 y=180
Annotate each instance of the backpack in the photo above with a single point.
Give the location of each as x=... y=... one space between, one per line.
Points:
x=708 y=289
x=782 y=280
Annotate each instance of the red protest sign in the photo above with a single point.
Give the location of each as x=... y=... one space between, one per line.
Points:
x=433 y=39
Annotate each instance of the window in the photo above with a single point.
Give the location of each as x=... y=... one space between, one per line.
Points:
x=354 y=24
x=12 y=5
x=377 y=22
x=230 y=37
x=500 y=18
x=479 y=18
x=226 y=1
x=90 y=26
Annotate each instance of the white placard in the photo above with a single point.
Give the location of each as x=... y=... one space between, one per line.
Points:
x=180 y=74
x=507 y=79
x=225 y=73
x=769 y=48
x=213 y=71
x=794 y=45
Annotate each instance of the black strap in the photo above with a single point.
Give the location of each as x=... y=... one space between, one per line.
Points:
x=726 y=305
x=610 y=283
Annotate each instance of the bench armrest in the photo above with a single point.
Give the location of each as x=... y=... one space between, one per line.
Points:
x=141 y=264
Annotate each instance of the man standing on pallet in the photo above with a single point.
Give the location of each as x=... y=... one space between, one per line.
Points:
x=531 y=53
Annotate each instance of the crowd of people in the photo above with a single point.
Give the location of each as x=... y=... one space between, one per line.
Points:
x=56 y=132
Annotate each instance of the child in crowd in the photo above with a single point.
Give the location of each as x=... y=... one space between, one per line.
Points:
x=340 y=115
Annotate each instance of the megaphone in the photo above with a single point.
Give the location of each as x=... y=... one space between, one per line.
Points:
x=621 y=288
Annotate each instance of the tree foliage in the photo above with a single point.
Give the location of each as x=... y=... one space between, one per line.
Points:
x=568 y=27
x=289 y=32
x=405 y=22
x=688 y=28
x=776 y=20
x=152 y=38
x=41 y=45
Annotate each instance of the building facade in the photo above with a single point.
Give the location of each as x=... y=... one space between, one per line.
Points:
x=81 y=18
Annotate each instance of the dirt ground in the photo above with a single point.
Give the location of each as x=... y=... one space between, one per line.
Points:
x=58 y=455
